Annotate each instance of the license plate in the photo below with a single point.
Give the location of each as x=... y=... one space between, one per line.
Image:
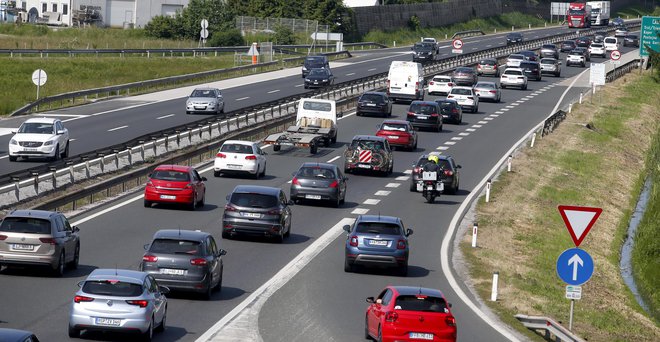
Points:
x=364 y=166
x=233 y=166
x=108 y=321
x=371 y=104
x=253 y=215
x=167 y=197
x=172 y=271
x=393 y=136
x=198 y=107
x=421 y=336
x=316 y=197
x=422 y=117
x=378 y=243
x=29 y=149
x=22 y=247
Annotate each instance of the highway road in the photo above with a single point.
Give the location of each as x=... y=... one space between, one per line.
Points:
x=321 y=302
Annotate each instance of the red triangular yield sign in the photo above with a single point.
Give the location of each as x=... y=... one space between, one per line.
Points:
x=579 y=220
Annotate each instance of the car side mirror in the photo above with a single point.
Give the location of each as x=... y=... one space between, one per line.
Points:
x=371 y=300
x=458 y=166
x=60 y=132
x=340 y=114
x=290 y=202
x=409 y=232
x=227 y=197
x=146 y=246
x=347 y=228
x=449 y=305
x=13 y=131
x=163 y=289
x=80 y=283
x=222 y=252
x=76 y=229
x=204 y=179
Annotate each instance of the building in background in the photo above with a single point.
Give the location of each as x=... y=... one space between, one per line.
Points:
x=361 y=3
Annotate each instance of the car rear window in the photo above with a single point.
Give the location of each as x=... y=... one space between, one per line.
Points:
x=25 y=225
x=420 y=303
x=367 y=144
x=174 y=176
x=464 y=70
x=381 y=228
x=488 y=62
x=236 y=148
x=485 y=85
x=422 y=108
x=610 y=40
x=172 y=246
x=552 y=47
x=461 y=91
x=527 y=65
x=547 y=61
x=112 y=288
x=253 y=200
x=372 y=97
x=441 y=79
x=516 y=57
x=317 y=106
x=315 y=172
x=512 y=72
x=597 y=45
x=394 y=127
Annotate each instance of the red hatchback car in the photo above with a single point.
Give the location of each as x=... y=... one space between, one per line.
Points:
x=175 y=184
x=399 y=133
x=407 y=313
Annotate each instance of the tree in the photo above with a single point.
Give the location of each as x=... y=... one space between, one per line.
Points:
x=161 y=27
x=284 y=35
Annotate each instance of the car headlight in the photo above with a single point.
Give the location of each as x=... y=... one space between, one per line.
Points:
x=13 y=142
x=213 y=103
x=325 y=80
x=188 y=103
x=304 y=68
x=307 y=80
x=48 y=143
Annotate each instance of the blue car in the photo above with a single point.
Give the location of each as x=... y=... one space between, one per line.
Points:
x=377 y=241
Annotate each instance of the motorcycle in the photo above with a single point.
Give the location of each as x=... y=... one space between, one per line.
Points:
x=430 y=186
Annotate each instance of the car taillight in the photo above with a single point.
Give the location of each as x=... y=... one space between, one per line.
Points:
x=434 y=115
x=198 y=262
x=388 y=87
x=416 y=85
x=493 y=91
x=455 y=111
x=354 y=241
x=150 y=184
x=140 y=303
x=450 y=96
x=334 y=184
x=401 y=244
x=3 y=237
x=450 y=84
x=48 y=240
x=411 y=114
x=150 y=258
x=251 y=157
x=78 y=299
x=230 y=207
x=295 y=181
x=391 y=316
x=431 y=83
x=188 y=186
x=221 y=155
x=450 y=321
x=416 y=170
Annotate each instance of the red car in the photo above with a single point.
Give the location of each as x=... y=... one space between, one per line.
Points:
x=399 y=133
x=175 y=184
x=407 y=313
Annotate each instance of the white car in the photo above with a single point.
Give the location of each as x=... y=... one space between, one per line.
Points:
x=621 y=32
x=40 y=137
x=465 y=97
x=597 y=49
x=513 y=77
x=574 y=58
x=440 y=84
x=611 y=44
x=236 y=156
x=514 y=60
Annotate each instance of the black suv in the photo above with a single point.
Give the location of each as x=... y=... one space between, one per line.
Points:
x=513 y=38
x=425 y=114
x=313 y=62
x=424 y=52
x=373 y=102
x=257 y=210
x=451 y=111
x=532 y=70
x=450 y=176
x=631 y=40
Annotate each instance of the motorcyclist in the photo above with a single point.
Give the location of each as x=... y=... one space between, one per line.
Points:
x=432 y=165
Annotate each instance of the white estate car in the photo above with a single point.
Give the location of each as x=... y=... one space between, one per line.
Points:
x=611 y=44
x=40 y=137
x=440 y=84
x=514 y=60
x=597 y=49
x=236 y=156
x=575 y=57
x=513 y=77
x=465 y=97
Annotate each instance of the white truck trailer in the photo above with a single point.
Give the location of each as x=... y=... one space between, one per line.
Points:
x=600 y=13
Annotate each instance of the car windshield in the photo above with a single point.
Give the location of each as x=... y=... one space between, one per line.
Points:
x=422 y=108
x=314 y=62
x=318 y=72
x=36 y=128
x=315 y=172
x=441 y=79
x=575 y=53
x=461 y=91
x=485 y=85
x=610 y=40
x=551 y=47
x=568 y=43
x=367 y=144
x=380 y=228
x=576 y=12
x=174 y=176
x=596 y=45
x=394 y=127
x=237 y=148
x=253 y=200
x=420 y=303
x=423 y=47
x=203 y=93
x=527 y=65
x=25 y=225
x=171 y=246
x=446 y=106
x=317 y=106
x=372 y=98
x=514 y=35
x=112 y=288
x=464 y=71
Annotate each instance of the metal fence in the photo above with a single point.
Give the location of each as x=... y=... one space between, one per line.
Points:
x=245 y=23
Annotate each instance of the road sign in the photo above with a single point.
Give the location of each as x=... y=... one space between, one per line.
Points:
x=204 y=33
x=39 y=77
x=597 y=74
x=615 y=55
x=573 y=292
x=579 y=220
x=254 y=51
x=457 y=44
x=575 y=266
x=327 y=36
x=649 y=35
x=204 y=23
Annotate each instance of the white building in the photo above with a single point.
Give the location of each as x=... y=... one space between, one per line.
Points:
x=112 y=13
x=361 y=3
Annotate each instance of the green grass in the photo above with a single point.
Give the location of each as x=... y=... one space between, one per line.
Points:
x=502 y=22
x=635 y=11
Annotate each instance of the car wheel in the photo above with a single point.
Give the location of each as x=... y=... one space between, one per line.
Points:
x=277 y=147
x=524 y=87
x=161 y=326
x=218 y=287
x=202 y=201
x=333 y=140
x=475 y=110
x=503 y=86
x=66 y=151
x=76 y=258
x=288 y=232
x=147 y=204
x=348 y=267
x=208 y=294
x=13 y=158
x=263 y=172
x=256 y=173
x=358 y=114
x=306 y=87
x=379 y=338
x=226 y=235
x=403 y=270
x=216 y=173
x=59 y=269
x=56 y=156
x=279 y=238
x=337 y=203
x=73 y=332
x=313 y=149
x=193 y=203
x=148 y=335
x=187 y=112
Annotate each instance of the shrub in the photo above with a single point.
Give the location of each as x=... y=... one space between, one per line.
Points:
x=160 y=27
x=284 y=35
x=230 y=37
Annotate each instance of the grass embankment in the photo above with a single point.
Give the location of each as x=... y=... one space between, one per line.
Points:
x=635 y=11
x=502 y=22
x=521 y=233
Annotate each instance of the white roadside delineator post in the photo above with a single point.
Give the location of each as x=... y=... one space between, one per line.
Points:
x=493 y=292
x=580 y=102
x=533 y=139
x=474 y=235
x=508 y=164
x=488 y=191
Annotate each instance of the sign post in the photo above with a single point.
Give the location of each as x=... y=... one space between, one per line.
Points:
x=204 y=32
x=39 y=78
x=457 y=45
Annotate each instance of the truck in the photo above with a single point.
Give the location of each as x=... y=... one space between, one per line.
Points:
x=316 y=124
x=600 y=13
x=578 y=15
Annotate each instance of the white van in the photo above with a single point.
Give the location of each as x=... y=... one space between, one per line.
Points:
x=611 y=44
x=405 y=81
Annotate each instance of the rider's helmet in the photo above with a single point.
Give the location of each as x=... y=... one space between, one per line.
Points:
x=434 y=159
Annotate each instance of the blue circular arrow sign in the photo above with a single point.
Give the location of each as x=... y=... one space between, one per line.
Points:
x=575 y=266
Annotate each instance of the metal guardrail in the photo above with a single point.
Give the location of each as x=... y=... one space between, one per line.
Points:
x=549 y=327
x=468 y=33
x=622 y=70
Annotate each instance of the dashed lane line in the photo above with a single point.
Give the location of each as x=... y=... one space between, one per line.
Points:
x=477 y=126
x=333 y=159
x=242 y=98
x=350 y=74
x=494 y=115
x=442 y=148
x=117 y=128
x=499 y=112
x=483 y=122
x=382 y=193
x=450 y=143
x=506 y=109
x=407 y=172
x=360 y=211
x=165 y=116
x=457 y=138
x=372 y=69
x=516 y=104
x=402 y=178
x=273 y=91
x=488 y=119
x=464 y=134
x=371 y=201
x=392 y=185
x=470 y=129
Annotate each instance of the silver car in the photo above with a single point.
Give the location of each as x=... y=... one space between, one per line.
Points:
x=205 y=100
x=39 y=238
x=551 y=66
x=119 y=300
x=488 y=91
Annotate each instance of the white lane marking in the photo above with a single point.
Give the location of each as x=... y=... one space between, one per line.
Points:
x=543 y=89
x=371 y=201
x=299 y=85
x=489 y=45
x=457 y=138
x=494 y=115
x=3 y=157
x=522 y=100
x=444 y=54
x=529 y=96
x=350 y=74
x=372 y=69
x=499 y=112
x=165 y=116
x=464 y=134
x=7 y=131
x=483 y=122
x=488 y=119
x=474 y=48
x=509 y=106
x=470 y=129
x=333 y=159
x=392 y=185
x=477 y=126
x=450 y=143
x=244 y=317
x=345 y=116
x=382 y=193
x=117 y=128
x=360 y=211
x=442 y=148
x=505 y=109
x=407 y=171
x=516 y=104
x=273 y=91
x=536 y=93
x=536 y=36
x=242 y=98
x=289 y=182
x=402 y=178
x=64 y=115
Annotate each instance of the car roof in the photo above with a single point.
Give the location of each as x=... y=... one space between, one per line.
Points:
x=416 y=290
x=514 y=69
x=446 y=100
x=206 y=88
x=423 y=102
x=128 y=276
x=169 y=167
x=319 y=165
x=40 y=214
x=485 y=82
x=8 y=334
x=517 y=55
x=548 y=58
x=464 y=69
x=369 y=137
x=378 y=218
x=182 y=234
x=379 y=93
x=442 y=76
x=239 y=142
x=460 y=87
x=514 y=34
x=392 y=121
x=527 y=52
x=258 y=189
x=42 y=120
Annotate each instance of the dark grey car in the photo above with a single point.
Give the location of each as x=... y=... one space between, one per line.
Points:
x=374 y=102
x=466 y=76
x=319 y=77
x=184 y=260
x=318 y=182
x=377 y=241
x=259 y=211
x=549 y=50
x=532 y=70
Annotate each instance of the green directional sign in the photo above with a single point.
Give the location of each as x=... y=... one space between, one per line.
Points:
x=649 y=35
